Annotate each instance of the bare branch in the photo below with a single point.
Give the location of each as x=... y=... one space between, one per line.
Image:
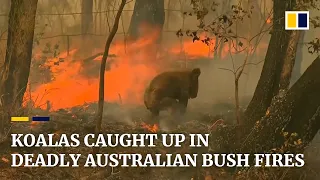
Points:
x=102 y=71
x=227 y=70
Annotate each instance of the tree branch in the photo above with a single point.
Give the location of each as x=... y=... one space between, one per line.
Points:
x=102 y=71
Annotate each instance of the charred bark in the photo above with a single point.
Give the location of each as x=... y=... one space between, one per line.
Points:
x=86 y=27
x=296 y=73
x=147 y=16
x=15 y=74
x=289 y=61
x=86 y=17
x=274 y=109
x=294 y=111
x=268 y=84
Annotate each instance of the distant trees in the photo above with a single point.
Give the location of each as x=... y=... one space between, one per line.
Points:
x=15 y=73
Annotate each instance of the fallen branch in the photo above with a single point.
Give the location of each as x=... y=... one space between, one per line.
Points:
x=95 y=56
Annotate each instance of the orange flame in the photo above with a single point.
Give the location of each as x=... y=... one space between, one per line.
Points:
x=133 y=67
x=127 y=78
x=152 y=128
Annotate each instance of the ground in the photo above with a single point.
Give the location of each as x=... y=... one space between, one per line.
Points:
x=117 y=119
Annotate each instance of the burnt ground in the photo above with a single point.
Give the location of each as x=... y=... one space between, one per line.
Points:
x=122 y=119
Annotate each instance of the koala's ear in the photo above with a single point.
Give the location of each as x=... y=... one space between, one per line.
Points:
x=196 y=72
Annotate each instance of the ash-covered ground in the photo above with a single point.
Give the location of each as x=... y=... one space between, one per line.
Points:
x=125 y=119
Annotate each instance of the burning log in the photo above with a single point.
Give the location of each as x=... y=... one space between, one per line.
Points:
x=91 y=58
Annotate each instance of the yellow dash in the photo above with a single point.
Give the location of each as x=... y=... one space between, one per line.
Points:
x=19 y=119
x=292 y=20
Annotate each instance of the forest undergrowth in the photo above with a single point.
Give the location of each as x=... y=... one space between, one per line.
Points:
x=119 y=119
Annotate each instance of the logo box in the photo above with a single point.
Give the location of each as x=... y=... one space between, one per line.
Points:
x=297 y=20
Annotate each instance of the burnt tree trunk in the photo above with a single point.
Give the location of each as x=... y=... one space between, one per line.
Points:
x=148 y=16
x=147 y=23
x=268 y=84
x=15 y=73
x=86 y=27
x=294 y=111
x=296 y=73
x=289 y=60
x=279 y=112
x=86 y=17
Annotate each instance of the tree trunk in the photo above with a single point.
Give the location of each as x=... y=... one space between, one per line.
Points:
x=294 y=111
x=102 y=71
x=289 y=61
x=15 y=74
x=86 y=17
x=5 y=7
x=296 y=73
x=147 y=17
x=297 y=111
x=86 y=27
x=147 y=22
x=268 y=84
x=273 y=111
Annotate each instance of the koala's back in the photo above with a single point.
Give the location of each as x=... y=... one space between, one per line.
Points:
x=165 y=85
x=170 y=80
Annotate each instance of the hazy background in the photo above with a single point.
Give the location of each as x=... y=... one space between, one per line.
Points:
x=215 y=84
